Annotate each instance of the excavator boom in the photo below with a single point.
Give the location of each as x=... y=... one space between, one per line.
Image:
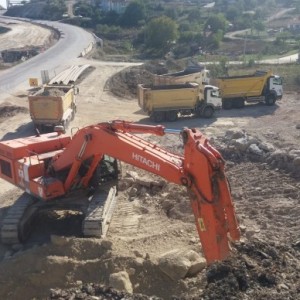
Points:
x=50 y=166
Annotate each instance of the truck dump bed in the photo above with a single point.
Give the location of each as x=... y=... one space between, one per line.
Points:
x=49 y=104
x=199 y=75
x=167 y=96
x=243 y=86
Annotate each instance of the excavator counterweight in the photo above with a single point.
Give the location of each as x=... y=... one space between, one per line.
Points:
x=50 y=167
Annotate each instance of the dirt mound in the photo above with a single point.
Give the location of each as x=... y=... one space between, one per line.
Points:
x=52 y=93
x=124 y=83
x=259 y=270
x=8 y=110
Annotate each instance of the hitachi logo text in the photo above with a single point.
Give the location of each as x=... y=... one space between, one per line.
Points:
x=145 y=161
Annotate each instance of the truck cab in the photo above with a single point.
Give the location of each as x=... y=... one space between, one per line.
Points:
x=275 y=86
x=212 y=96
x=210 y=100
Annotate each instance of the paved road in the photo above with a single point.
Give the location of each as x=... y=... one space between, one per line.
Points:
x=73 y=41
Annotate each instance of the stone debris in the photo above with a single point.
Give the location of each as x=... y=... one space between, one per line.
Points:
x=121 y=281
x=178 y=264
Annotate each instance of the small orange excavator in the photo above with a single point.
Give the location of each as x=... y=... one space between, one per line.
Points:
x=53 y=169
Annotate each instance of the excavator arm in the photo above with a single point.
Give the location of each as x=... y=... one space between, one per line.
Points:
x=58 y=164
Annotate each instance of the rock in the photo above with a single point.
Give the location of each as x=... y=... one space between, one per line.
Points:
x=198 y=263
x=234 y=134
x=138 y=262
x=167 y=204
x=254 y=149
x=266 y=147
x=133 y=192
x=143 y=181
x=283 y=286
x=121 y=281
x=294 y=153
x=241 y=144
x=178 y=264
x=138 y=253
x=132 y=174
x=125 y=183
x=193 y=240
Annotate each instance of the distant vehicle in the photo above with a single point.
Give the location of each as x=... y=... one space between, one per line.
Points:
x=262 y=86
x=52 y=105
x=167 y=102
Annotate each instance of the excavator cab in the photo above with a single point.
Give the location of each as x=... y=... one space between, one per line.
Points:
x=108 y=169
x=107 y=172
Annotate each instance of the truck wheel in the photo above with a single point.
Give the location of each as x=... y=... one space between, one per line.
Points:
x=208 y=112
x=239 y=103
x=226 y=104
x=158 y=116
x=270 y=99
x=171 y=115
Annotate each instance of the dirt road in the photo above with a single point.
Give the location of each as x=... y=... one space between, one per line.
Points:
x=26 y=36
x=146 y=225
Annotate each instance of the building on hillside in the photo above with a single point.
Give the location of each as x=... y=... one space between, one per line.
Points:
x=115 y=5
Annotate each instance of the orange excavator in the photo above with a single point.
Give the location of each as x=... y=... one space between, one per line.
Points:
x=54 y=169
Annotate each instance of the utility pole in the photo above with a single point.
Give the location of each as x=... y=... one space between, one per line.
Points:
x=244 y=51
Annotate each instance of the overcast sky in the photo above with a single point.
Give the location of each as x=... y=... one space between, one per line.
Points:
x=3 y=3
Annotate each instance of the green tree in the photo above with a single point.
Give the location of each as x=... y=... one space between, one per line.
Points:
x=160 y=33
x=216 y=22
x=259 y=26
x=133 y=14
x=54 y=9
x=84 y=10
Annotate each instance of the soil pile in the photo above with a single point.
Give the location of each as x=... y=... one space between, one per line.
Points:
x=52 y=93
x=124 y=83
x=8 y=110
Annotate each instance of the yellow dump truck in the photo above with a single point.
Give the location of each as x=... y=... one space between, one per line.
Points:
x=262 y=86
x=168 y=102
x=52 y=105
x=197 y=74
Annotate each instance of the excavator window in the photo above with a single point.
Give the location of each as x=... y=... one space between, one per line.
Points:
x=106 y=172
x=108 y=169
x=5 y=168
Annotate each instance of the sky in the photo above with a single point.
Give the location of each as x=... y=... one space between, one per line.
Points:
x=3 y=3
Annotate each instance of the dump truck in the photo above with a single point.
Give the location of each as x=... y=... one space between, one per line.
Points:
x=198 y=74
x=52 y=105
x=167 y=102
x=262 y=86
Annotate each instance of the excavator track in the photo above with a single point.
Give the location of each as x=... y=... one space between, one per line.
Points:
x=16 y=224
x=99 y=213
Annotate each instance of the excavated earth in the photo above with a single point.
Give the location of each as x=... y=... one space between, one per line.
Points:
x=261 y=147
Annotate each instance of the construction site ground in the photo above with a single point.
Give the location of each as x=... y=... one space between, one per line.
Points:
x=153 y=219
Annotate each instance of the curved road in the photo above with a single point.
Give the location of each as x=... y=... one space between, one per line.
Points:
x=72 y=42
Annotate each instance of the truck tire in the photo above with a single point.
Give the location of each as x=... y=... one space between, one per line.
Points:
x=270 y=99
x=158 y=116
x=171 y=115
x=207 y=112
x=226 y=104
x=239 y=103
